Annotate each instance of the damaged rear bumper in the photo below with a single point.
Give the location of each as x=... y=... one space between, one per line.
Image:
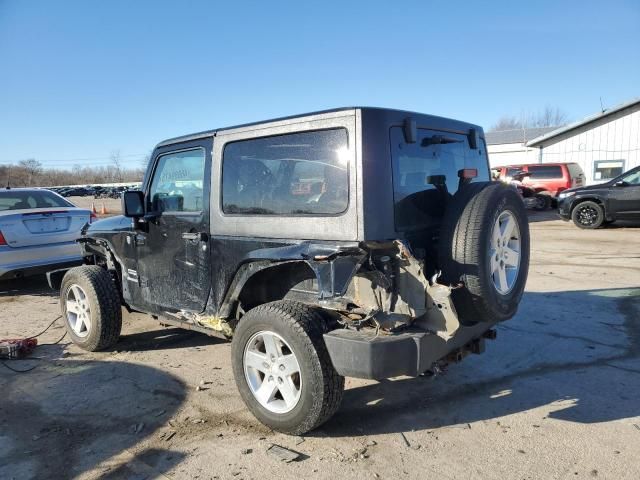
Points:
x=362 y=354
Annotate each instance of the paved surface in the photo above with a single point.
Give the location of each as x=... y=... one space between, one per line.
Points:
x=555 y=396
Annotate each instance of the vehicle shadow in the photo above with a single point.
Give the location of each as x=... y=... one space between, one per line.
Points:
x=623 y=224
x=575 y=354
x=164 y=339
x=545 y=216
x=35 y=286
x=70 y=417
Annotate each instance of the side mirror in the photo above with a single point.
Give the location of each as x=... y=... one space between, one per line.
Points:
x=621 y=183
x=133 y=203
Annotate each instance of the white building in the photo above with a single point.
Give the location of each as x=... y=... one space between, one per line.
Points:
x=604 y=145
x=509 y=147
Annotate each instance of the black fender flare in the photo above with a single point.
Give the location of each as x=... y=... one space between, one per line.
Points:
x=333 y=266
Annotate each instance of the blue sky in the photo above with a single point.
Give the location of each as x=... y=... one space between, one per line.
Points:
x=80 y=79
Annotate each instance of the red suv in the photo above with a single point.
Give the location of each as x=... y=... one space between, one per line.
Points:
x=546 y=177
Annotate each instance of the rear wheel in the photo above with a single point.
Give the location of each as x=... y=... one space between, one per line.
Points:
x=484 y=244
x=588 y=215
x=282 y=368
x=90 y=304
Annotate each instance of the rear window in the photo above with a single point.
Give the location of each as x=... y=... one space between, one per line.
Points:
x=19 y=200
x=545 y=171
x=425 y=173
x=302 y=173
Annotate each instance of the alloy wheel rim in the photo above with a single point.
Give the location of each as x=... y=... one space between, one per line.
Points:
x=272 y=372
x=587 y=215
x=78 y=311
x=505 y=252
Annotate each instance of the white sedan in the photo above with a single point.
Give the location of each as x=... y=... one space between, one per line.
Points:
x=38 y=231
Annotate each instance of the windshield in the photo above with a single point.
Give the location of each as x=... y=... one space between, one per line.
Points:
x=25 y=199
x=425 y=174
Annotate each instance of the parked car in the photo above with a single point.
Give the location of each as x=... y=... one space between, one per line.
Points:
x=548 y=179
x=356 y=242
x=38 y=230
x=531 y=198
x=595 y=205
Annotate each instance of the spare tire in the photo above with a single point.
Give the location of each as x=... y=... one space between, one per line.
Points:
x=484 y=244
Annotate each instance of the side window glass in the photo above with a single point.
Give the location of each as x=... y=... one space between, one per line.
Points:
x=303 y=173
x=512 y=171
x=633 y=178
x=178 y=180
x=545 y=171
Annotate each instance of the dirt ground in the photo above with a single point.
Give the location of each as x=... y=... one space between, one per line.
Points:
x=554 y=397
x=111 y=206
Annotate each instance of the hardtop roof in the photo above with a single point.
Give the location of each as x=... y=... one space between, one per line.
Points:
x=212 y=132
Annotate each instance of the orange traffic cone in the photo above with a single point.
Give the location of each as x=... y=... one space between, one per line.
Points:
x=93 y=208
x=103 y=210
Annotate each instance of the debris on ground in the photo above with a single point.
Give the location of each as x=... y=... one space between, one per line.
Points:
x=13 y=348
x=404 y=438
x=137 y=428
x=298 y=440
x=361 y=453
x=282 y=453
x=246 y=451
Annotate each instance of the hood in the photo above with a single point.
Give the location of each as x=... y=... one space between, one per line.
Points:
x=587 y=188
x=110 y=224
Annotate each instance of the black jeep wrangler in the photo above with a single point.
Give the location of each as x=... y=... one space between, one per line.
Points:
x=355 y=242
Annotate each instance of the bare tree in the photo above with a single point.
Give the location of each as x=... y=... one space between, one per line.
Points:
x=146 y=159
x=548 y=117
x=506 y=122
x=32 y=168
x=116 y=161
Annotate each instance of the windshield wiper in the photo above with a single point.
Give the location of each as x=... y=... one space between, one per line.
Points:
x=438 y=140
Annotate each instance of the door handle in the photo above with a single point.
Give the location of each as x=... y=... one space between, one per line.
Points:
x=195 y=236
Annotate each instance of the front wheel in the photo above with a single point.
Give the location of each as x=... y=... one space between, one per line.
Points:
x=90 y=304
x=282 y=368
x=543 y=202
x=588 y=215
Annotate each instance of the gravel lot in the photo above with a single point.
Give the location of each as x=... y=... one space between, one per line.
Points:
x=555 y=396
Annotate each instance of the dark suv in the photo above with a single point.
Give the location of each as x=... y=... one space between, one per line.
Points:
x=595 y=205
x=355 y=242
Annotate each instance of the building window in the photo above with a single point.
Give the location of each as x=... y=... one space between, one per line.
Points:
x=607 y=169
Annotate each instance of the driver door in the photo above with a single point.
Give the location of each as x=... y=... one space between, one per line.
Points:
x=173 y=249
x=624 y=199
